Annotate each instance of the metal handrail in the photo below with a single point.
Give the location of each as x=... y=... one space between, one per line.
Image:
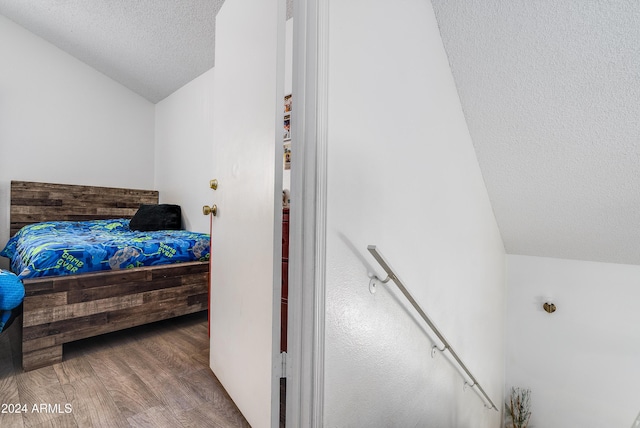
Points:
x=447 y=346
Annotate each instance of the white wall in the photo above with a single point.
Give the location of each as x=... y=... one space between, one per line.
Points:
x=403 y=175
x=184 y=150
x=580 y=362
x=62 y=121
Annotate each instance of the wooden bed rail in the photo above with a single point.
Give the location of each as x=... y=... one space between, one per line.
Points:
x=59 y=310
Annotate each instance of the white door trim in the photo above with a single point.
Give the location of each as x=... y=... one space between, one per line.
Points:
x=276 y=366
x=307 y=248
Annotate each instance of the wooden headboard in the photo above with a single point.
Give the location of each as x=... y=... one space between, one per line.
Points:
x=37 y=202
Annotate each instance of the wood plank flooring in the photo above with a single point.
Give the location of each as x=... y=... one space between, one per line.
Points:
x=155 y=375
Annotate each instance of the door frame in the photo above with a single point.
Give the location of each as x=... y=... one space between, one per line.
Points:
x=307 y=245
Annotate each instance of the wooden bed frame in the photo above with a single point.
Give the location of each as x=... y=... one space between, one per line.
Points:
x=58 y=310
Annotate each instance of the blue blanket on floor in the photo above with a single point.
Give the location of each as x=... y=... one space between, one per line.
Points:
x=11 y=295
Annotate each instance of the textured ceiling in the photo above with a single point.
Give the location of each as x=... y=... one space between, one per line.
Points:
x=551 y=93
x=153 y=47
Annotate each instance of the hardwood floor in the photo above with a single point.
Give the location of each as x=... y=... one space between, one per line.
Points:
x=150 y=376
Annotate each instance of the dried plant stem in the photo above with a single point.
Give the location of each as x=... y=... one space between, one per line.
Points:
x=519 y=407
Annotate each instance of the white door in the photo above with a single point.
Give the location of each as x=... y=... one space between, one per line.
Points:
x=246 y=233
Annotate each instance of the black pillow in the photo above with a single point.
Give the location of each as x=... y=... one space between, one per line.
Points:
x=157 y=217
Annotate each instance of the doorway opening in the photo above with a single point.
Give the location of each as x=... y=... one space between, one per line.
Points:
x=286 y=186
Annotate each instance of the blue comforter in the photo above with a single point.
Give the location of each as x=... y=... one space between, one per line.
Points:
x=67 y=247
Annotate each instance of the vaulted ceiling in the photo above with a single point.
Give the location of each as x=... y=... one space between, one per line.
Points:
x=152 y=47
x=550 y=91
x=551 y=94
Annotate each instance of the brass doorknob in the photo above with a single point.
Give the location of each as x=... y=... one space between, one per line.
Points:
x=206 y=210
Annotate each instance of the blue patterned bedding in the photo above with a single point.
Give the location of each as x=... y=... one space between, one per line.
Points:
x=67 y=247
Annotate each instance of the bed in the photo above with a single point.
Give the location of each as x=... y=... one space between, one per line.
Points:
x=61 y=309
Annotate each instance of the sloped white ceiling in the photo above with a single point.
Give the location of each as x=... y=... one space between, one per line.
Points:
x=551 y=94
x=153 y=47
